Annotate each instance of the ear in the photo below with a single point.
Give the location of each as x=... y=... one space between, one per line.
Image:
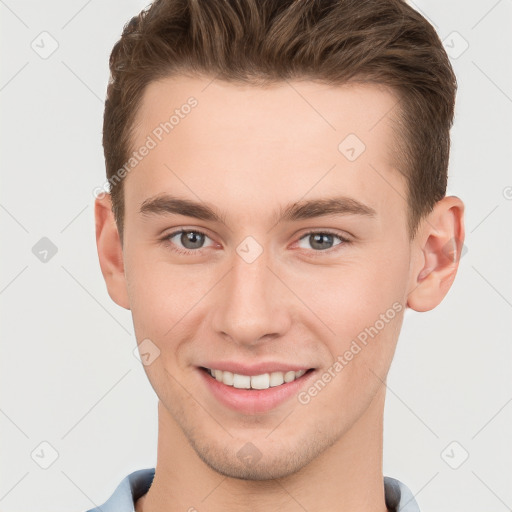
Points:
x=438 y=248
x=110 y=251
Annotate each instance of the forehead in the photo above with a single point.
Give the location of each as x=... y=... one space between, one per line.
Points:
x=305 y=108
x=290 y=138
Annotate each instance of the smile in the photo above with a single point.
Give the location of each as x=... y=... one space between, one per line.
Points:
x=262 y=381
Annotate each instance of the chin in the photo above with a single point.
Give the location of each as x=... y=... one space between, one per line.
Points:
x=259 y=471
x=249 y=463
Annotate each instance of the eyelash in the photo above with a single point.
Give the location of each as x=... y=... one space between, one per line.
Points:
x=189 y=252
x=344 y=241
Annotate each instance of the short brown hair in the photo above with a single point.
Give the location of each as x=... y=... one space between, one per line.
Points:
x=265 y=41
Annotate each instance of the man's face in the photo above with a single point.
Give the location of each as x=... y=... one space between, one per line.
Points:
x=255 y=287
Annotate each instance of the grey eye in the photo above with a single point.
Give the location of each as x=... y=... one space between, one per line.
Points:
x=188 y=239
x=319 y=240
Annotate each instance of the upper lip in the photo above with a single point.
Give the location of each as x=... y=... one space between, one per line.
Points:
x=254 y=368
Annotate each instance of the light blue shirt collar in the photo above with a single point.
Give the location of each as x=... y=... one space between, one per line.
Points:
x=398 y=496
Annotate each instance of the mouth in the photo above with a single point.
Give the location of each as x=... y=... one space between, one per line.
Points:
x=254 y=394
x=255 y=382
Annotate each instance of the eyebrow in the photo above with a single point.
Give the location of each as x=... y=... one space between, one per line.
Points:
x=341 y=205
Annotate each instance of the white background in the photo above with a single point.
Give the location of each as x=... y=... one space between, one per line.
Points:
x=68 y=373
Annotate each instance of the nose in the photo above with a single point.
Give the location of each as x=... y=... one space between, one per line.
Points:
x=251 y=304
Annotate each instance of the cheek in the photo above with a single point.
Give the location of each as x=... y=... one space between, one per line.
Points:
x=354 y=294
x=362 y=304
x=164 y=296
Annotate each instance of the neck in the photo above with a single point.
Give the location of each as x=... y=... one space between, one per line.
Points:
x=345 y=477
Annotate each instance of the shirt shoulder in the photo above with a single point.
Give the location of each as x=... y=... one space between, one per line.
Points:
x=131 y=488
x=398 y=496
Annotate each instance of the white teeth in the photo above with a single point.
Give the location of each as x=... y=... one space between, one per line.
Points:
x=260 y=381
x=276 y=379
x=263 y=381
x=227 y=378
x=289 y=376
x=241 y=381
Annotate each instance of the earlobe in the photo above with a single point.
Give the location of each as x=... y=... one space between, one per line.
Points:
x=110 y=251
x=441 y=242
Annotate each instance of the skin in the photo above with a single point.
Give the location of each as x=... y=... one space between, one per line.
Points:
x=248 y=151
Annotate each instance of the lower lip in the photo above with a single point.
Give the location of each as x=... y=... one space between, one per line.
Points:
x=252 y=401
